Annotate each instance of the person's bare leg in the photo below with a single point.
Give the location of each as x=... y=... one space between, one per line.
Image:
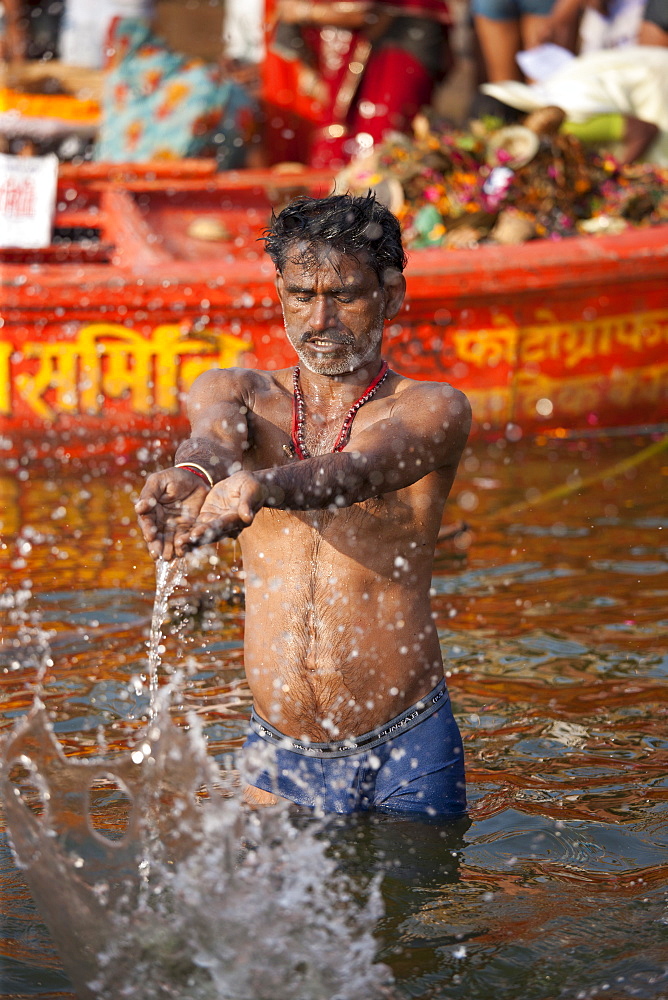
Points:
x=652 y=34
x=499 y=44
x=533 y=28
x=537 y=28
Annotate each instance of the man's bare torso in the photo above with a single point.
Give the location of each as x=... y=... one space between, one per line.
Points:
x=339 y=634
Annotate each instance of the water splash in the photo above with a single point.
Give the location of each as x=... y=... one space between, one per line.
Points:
x=168 y=576
x=257 y=910
x=185 y=893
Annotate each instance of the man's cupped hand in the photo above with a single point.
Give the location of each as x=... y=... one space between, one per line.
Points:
x=167 y=509
x=229 y=508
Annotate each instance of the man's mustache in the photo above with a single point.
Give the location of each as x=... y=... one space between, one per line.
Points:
x=334 y=336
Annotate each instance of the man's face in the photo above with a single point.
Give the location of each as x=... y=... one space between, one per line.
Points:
x=334 y=309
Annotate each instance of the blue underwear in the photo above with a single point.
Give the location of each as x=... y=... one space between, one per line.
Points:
x=412 y=764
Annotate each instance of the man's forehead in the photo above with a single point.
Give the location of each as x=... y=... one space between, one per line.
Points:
x=308 y=263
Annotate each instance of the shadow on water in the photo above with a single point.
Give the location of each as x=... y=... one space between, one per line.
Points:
x=553 y=625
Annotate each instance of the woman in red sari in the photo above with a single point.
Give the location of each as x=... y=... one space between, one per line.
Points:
x=336 y=69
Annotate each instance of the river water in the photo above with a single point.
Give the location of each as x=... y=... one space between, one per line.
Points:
x=552 y=611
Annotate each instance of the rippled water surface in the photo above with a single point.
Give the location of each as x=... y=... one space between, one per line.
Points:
x=553 y=616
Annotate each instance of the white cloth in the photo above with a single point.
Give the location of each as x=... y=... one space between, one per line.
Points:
x=632 y=80
x=243 y=30
x=543 y=61
x=85 y=27
x=620 y=27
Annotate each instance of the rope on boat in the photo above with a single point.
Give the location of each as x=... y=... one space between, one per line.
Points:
x=567 y=488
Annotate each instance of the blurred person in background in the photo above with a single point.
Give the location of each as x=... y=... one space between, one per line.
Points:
x=243 y=33
x=596 y=24
x=581 y=26
x=654 y=26
x=159 y=104
x=611 y=98
x=31 y=29
x=505 y=27
x=86 y=25
x=73 y=31
x=340 y=75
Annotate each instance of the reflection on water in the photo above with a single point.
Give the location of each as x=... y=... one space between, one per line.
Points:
x=553 y=622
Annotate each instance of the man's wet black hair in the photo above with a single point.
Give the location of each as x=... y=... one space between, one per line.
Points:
x=359 y=226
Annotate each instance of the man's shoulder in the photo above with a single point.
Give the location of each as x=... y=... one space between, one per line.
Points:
x=232 y=381
x=432 y=408
x=432 y=393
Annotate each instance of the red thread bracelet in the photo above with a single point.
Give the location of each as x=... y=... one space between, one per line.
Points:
x=198 y=471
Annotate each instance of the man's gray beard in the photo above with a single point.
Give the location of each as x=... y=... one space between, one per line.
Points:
x=338 y=366
x=329 y=366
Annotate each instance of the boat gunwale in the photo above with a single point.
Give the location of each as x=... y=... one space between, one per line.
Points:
x=139 y=257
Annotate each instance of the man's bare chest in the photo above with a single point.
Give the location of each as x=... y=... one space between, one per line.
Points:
x=272 y=430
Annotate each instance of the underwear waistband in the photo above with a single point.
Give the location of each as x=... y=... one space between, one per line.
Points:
x=360 y=744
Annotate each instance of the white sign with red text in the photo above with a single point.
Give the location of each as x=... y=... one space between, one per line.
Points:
x=27 y=200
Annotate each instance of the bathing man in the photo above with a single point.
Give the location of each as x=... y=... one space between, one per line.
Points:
x=334 y=476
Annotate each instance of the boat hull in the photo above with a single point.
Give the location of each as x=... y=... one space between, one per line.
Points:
x=100 y=342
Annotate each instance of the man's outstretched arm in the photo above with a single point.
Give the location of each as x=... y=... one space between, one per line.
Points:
x=426 y=431
x=172 y=499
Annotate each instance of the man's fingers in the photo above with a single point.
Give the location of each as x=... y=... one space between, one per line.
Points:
x=245 y=512
x=182 y=540
x=166 y=511
x=155 y=549
x=166 y=517
x=168 y=546
x=149 y=529
x=249 y=501
x=145 y=505
x=207 y=532
x=201 y=536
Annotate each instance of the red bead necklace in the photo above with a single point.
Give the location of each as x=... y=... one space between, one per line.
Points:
x=299 y=413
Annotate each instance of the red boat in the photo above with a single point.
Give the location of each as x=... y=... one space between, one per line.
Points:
x=156 y=275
